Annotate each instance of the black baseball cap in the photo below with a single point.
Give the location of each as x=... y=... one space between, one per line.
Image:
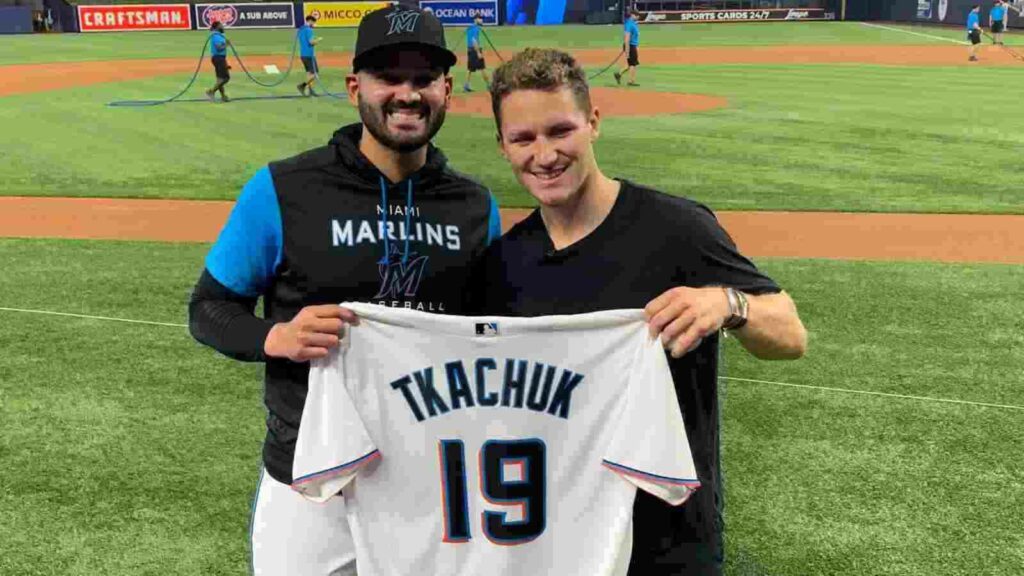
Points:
x=400 y=25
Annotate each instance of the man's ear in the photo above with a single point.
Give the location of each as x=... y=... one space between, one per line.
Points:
x=595 y=123
x=352 y=87
x=501 y=144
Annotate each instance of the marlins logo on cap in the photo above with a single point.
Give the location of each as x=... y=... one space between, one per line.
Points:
x=403 y=22
x=402 y=26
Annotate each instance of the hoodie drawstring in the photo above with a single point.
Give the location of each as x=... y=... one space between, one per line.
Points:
x=384 y=221
x=408 y=222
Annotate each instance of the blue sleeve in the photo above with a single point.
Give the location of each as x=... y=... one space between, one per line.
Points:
x=248 y=250
x=494 y=223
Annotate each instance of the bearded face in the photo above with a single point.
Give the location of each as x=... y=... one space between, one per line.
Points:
x=402 y=100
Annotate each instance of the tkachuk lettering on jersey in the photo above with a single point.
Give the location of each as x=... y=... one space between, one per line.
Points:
x=515 y=451
x=509 y=394
x=352 y=232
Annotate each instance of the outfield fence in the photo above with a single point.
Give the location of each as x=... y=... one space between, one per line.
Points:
x=952 y=12
x=90 y=16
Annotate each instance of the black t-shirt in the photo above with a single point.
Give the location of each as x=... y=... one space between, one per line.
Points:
x=649 y=242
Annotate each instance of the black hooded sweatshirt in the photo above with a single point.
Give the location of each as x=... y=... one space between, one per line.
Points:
x=326 y=227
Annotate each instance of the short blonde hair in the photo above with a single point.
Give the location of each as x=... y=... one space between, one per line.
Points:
x=539 y=69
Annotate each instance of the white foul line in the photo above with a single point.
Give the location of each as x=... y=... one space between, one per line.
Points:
x=51 y=313
x=915 y=33
x=871 y=393
x=805 y=386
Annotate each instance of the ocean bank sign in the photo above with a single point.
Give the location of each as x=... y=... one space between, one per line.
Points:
x=462 y=13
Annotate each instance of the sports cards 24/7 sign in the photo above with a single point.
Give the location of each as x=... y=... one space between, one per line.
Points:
x=246 y=15
x=137 y=17
x=462 y=13
x=340 y=14
x=759 y=15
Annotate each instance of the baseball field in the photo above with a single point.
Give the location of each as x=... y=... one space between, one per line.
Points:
x=893 y=448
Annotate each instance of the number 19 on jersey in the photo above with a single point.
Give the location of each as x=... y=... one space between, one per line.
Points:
x=527 y=490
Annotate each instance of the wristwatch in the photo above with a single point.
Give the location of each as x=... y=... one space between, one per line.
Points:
x=737 y=309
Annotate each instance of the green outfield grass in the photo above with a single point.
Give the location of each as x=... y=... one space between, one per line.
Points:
x=27 y=48
x=130 y=449
x=793 y=137
x=851 y=138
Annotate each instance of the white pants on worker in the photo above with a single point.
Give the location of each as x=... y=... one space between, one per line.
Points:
x=291 y=536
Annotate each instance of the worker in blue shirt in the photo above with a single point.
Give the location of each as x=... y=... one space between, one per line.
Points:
x=997 y=21
x=630 y=41
x=308 y=54
x=219 y=58
x=475 y=53
x=973 y=32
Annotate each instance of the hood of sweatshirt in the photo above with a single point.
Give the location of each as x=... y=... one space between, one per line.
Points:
x=345 y=142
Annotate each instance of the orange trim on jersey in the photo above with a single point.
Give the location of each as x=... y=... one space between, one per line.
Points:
x=347 y=467
x=627 y=471
x=521 y=502
x=445 y=537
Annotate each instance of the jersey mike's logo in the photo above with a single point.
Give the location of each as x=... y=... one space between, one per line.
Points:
x=226 y=15
x=403 y=22
x=401 y=280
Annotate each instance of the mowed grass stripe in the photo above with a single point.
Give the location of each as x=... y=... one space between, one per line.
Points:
x=126 y=450
x=838 y=484
x=134 y=450
x=21 y=49
x=922 y=329
x=820 y=137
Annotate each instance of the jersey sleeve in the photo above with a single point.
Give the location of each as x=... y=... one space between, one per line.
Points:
x=649 y=447
x=248 y=250
x=333 y=444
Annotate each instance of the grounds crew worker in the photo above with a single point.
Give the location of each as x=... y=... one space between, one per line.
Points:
x=219 y=59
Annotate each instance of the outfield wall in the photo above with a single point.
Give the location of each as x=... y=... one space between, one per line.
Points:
x=15 y=20
x=734 y=15
x=952 y=12
x=199 y=16
x=164 y=15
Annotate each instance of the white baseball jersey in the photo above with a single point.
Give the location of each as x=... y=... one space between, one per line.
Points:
x=492 y=445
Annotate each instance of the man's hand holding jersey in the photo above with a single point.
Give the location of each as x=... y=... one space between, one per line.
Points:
x=310 y=334
x=684 y=316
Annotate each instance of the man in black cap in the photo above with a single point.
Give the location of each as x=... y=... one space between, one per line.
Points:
x=374 y=216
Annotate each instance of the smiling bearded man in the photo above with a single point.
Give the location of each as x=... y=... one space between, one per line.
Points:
x=374 y=216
